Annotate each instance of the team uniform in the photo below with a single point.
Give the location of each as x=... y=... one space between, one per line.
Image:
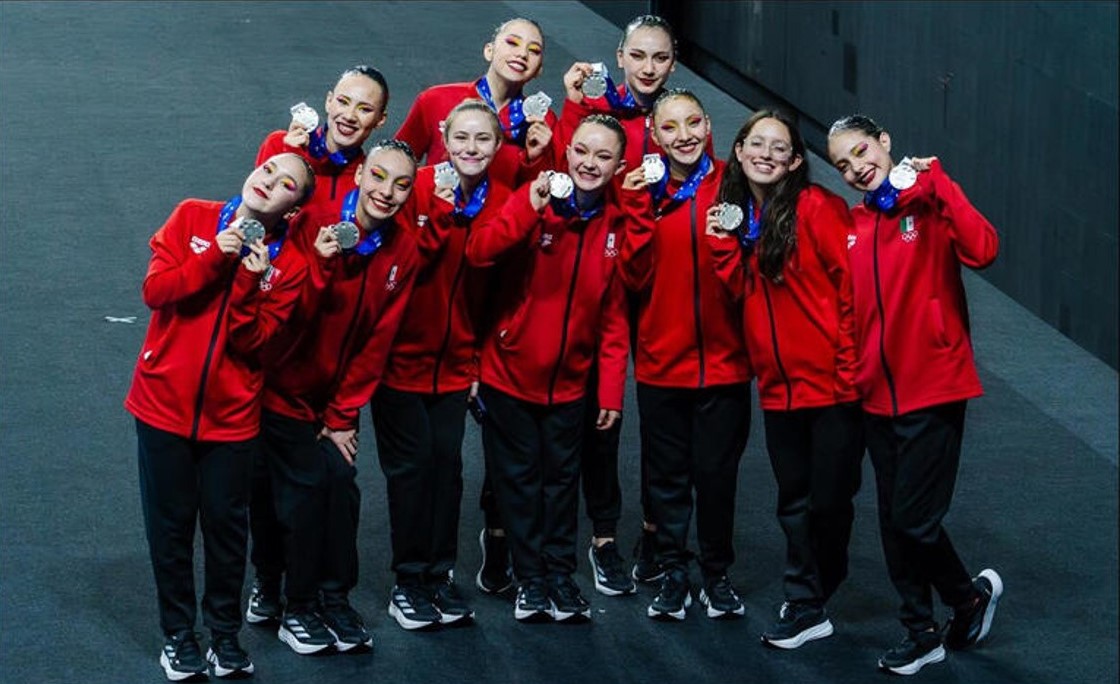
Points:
x=800 y=335
x=559 y=303
x=319 y=374
x=335 y=174
x=422 y=131
x=420 y=407
x=693 y=379
x=196 y=398
x=916 y=374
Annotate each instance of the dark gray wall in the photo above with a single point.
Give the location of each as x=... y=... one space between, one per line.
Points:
x=1019 y=99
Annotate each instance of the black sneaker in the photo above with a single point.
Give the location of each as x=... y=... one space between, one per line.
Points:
x=565 y=600
x=181 y=658
x=304 y=632
x=797 y=623
x=227 y=657
x=721 y=599
x=673 y=598
x=609 y=570
x=645 y=567
x=916 y=651
x=969 y=625
x=347 y=627
x=411 y=607
x=264 y=604
x=532 y=603
x=448 y=602
x=495 y=575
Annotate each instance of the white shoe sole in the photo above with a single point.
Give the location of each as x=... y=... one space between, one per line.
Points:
x=406 y=622
x=175 y=675
x=934 y=656
x=715 y=613
x=562 y=616
x=344 y=646
x=818 y=631
x=220 y=671
x=675 y=615
x=990 y=612
x=285 y=635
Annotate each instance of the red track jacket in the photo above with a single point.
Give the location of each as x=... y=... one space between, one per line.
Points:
x=198 y=374
x=421 y=130
x=328 y=362
x=559 y=300
x=690 y=331
x=800 y=333
x=436 y=348
x=911 y=314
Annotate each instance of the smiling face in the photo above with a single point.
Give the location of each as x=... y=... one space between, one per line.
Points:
x=384 y=183
x=766 y=154
x=594 y=156
x=472 y=138
x=646 y=59
x=355 y=107
x=863 y=160
x=516 y=53
x=275 y=187
x=681 y=128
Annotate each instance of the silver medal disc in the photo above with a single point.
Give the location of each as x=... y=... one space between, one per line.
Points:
x=346 y=233
x=560 y=185
x=305 y=116
x=653 y=168
x=903 y=175
x=252 y=230
x=536 y=104
x=446 y=176
x=595 y=84
x=730 y=216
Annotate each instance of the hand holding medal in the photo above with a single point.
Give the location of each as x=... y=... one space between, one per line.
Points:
x=304 y=120
x=595 y=85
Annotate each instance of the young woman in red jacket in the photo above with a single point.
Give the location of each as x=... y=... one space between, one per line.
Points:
x=354 y=108
x=217 y=294
x=691 y=364
x=788 y=261
x=559 y=306
x=319 y=373
x=419 y=410
x=515 y=54
x=913 y=232
x=647 y=56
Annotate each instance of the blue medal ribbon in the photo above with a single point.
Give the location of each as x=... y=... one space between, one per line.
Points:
x=517 y=128
x=688 y=187
x=469 y=208
x=749 y=238
x=624 y=103
x=225 y=217
x=318 y=148
x=372 y=242
x=568 y=208
x=883 y=198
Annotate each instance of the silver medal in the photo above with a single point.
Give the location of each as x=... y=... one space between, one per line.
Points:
x=346 y=233
x=595 y=84
x=305 y=116
x=730 y=216
x=560 y=185
x=653 y=168
x=446 y=176
x=903 y=175
x=252 y=230
x=536 y=104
